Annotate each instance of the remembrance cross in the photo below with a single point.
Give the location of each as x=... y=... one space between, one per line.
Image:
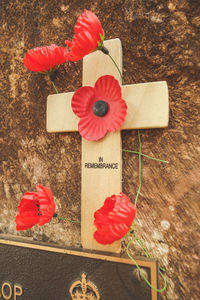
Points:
x=147 y=107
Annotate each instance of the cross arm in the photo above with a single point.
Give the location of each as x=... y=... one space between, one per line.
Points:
x=148 y=105
x=60 y=117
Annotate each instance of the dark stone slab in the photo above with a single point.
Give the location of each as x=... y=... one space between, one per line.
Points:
x=36 y=271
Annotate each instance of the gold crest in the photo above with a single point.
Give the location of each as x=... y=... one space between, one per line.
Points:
x=84 y=290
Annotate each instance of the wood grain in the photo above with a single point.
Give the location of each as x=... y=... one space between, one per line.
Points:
x=148 y=107
x=97 y=184
x=60 y=117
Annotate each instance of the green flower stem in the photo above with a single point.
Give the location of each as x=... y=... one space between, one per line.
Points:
x=66 y=219
x=55 y=88
x=140 y=242
x=140 y=169
x=136 y=199
x=142 y=246
x=131 y=230
x=140 y=270
x=150 y=157
x=120 y=73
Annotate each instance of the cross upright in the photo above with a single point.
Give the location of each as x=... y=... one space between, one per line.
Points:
x=148 y=107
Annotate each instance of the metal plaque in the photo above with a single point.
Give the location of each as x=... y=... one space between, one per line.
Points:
x=32 y=271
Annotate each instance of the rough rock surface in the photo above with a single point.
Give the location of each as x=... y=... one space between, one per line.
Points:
x=160 y=42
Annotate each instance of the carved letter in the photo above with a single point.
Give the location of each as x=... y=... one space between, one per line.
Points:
x=17 y=291
x=7 y=297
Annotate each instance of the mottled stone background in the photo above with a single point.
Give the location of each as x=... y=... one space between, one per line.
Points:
x=160 y=42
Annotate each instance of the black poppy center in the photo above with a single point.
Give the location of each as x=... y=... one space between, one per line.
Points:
x=100 y=108
x=38 y=208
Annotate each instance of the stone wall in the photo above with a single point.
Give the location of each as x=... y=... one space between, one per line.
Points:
x=160 y=42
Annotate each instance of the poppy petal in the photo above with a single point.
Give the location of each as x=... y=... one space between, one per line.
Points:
x=42 y=59
x=68 y=43
x=82 y=101
x=91 y=126
x=35 y=208
x=92 y=129
x=26 y=202
x=88 y=21
x=114 y=219
x=26 y=220
x=107 y=88
x=47 y=205
x=116 y=116
x=88 y=33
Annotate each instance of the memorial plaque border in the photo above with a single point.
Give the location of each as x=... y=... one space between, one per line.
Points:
x=23 y=242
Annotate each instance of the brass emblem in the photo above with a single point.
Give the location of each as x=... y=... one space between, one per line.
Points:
x=84 y=290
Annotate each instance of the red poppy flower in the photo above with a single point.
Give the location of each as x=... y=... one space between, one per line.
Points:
x=35 y=208
x=45 y=59
x=114 y=219
x=100 y=109
x=89 y=36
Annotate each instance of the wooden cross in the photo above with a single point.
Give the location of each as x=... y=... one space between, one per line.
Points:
x=148 y=107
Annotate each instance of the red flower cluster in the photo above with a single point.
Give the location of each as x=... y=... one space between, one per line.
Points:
x=101 y=109
x=114 y=219
x=45 y=59
x=89 y=36
x=35 y=208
